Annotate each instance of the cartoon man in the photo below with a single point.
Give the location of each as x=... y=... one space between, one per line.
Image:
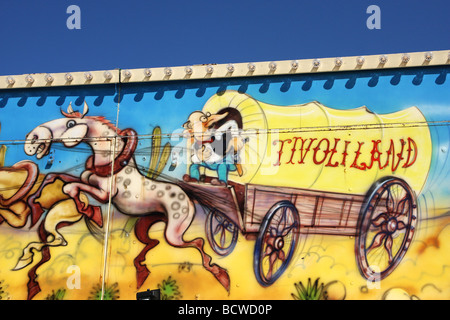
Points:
x=214 y=141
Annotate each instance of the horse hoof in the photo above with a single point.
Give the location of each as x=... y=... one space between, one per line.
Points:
x=141 y=276
x=222 y=276
x=22 y=263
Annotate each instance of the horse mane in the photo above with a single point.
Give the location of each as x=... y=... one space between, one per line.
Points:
x=106 y=122
x=102 y=119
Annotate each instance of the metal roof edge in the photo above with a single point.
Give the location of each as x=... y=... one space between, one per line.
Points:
x=225 y=71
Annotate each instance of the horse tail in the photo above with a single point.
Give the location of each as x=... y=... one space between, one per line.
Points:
x=94 y=229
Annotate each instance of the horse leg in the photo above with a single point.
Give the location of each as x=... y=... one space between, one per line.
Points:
x=16 y=214
x=141 y=230
x=62 y=212
x=32 y=285
x=177 y=226
x=60 y=215
x=36 y=208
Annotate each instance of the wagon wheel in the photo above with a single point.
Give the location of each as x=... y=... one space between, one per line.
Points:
x=221 y=233
x=388 y=220
x=276 y=243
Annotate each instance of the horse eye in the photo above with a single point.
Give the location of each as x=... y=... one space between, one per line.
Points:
x=70 y=123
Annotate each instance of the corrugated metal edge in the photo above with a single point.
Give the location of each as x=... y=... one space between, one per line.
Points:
x=218 y=71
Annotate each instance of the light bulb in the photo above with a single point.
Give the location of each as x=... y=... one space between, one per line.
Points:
x=230 y=68
x=188 y=70
x=383 y=59
x=428 y=56
x=147 y=72
x=49 y=78
x=10 y=80
x=272 y=66
x=88 y=76
x=338 y=62
x=29 y=79
x=405 y=58
x=209 y=69
x=360 y=61
x=251 y=67
x=168 y=71
x=108 y=75
x=294 y=64
x=316 y=63
x=127 y=74
x=68 y=77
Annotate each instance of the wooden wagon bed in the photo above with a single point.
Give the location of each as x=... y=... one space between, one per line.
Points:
x=320 y=212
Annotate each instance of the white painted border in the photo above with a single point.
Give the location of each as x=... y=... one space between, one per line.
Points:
x=371 y=62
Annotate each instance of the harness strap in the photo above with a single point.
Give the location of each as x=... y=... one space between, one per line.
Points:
x=122 y=160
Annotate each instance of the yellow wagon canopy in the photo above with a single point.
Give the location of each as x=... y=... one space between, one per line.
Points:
x=316 y=147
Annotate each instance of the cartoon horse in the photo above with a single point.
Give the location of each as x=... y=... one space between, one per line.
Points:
x=131 y=192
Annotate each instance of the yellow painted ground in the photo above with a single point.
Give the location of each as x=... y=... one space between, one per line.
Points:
x=423 y=273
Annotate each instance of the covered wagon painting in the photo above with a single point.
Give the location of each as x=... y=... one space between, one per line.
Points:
x=316 y=170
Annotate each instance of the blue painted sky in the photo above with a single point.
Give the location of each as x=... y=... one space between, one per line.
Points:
x=136 y=34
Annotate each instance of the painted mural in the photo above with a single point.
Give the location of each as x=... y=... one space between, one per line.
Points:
x=298 y=187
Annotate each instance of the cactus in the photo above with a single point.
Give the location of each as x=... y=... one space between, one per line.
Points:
x=2 y=155
x=311 y=292
x=158 y=159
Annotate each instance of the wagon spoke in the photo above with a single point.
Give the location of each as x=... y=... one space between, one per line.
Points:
x=268 y=250
x=218 y=229
x=272 y=259
x=282 y=222
x=221 y=230
x=388 y=246
x=223 y=237
x=273 y=232
x=273 y=254
x=402 y=206
x=281 y=255
x=380 y=219
x=401 y=225
x=377 y=241
x=288 y=229
x=221 y=233
x=389 y=201
x=284 y=225
x=218 y=217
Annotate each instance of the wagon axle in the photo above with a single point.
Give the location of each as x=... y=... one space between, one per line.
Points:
x=278 y=243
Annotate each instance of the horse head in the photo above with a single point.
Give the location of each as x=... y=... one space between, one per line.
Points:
x=70 y=130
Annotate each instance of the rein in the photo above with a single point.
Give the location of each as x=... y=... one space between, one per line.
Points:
x=121 y=161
